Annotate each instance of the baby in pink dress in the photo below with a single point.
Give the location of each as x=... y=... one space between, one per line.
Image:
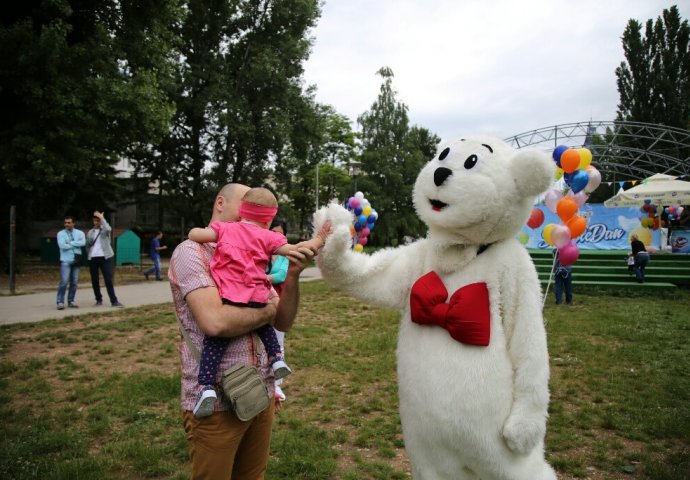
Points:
x=238 y=267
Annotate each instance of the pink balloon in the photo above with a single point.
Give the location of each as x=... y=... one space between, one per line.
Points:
x=551 y=199
x=560 y=235
x=365 y=232
x=568 y=253
x=362 y=241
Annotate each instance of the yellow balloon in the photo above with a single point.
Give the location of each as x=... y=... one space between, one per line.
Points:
x=559 y=173
x=546 y=233
x=585 y=157
x=359 y=248
x=644 y=234
x=366 y=210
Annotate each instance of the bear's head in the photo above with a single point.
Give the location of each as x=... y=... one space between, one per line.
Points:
x=479 y=190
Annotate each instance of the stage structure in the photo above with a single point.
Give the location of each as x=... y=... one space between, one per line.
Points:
x=622 y=150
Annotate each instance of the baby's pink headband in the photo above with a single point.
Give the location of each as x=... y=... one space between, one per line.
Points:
x=257 y=213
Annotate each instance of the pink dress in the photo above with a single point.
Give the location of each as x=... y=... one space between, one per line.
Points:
x=239 y=263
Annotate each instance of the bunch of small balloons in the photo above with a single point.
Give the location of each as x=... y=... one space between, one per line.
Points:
x=581 y=178
x=363 y=220
x=649 y=217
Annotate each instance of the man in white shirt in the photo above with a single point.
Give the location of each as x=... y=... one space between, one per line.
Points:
x=100 y=252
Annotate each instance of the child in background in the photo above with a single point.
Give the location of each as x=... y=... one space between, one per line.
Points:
x=239 y=269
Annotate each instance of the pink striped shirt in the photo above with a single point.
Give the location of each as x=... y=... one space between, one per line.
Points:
x=189 y=270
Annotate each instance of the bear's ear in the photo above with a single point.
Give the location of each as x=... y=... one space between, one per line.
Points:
x=533 y=172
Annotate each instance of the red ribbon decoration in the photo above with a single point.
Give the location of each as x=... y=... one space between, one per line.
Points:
x=466 y=316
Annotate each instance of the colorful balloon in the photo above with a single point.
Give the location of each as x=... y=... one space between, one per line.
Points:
x=560 y=235
x=551 y=199
x=358 y=248
x=570 y=160
x=579 y=180
x=566 y=208
x=536 y=218
x=568 y=253
x=585 y=157
x=577 y=226
x=594 y=179
x=557 y=152
x=546 y=233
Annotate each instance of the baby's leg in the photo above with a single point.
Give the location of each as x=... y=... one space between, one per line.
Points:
x=275 y=354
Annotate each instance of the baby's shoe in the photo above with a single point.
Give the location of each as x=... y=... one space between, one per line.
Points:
x=279 y=394
x=205 y=402
x=280 y=369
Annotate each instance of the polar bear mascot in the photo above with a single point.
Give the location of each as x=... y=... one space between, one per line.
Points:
x=473 y=367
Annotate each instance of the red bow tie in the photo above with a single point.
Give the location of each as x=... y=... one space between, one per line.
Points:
x=465 y=316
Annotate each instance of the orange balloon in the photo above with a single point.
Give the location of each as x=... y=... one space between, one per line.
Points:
x=570 y=160
x=566 y=208
x=577 y=226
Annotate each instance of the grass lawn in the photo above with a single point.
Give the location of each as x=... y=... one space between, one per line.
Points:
x=97 y=397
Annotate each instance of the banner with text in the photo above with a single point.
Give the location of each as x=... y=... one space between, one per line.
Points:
x=607 y=228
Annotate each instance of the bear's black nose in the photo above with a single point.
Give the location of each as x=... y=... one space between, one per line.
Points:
x=441 y=174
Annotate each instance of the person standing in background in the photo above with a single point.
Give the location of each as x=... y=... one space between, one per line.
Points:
x=70 y=241
x=100 y=251
x=156 y=256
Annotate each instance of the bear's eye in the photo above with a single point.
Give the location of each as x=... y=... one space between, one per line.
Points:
x=471 y=161
x=444 y=153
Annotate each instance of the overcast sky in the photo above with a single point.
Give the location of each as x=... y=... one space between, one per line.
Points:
x=500 y=67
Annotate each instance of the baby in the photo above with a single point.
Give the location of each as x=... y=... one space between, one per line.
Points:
x=238 y=267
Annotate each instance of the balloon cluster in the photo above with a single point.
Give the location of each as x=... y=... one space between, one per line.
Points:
x=581 y=178
x=649 y=217
x=673 y=211
x=363 y=220
x=650 y=214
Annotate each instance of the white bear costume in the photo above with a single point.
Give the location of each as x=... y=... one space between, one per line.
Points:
x=467 y=411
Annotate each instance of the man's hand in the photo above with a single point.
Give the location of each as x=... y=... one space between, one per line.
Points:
x=300 y=258
x=98 y=214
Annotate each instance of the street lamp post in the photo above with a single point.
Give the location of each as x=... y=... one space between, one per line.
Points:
x=355 y=169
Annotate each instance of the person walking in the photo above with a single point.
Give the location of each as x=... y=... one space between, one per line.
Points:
x=641 y=256
x=221 y=445
x=100 y=251
x=70 y=242
x=154 y=252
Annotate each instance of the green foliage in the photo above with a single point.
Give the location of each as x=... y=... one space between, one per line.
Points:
x=654 y=81
x=392 y=155
x=74 y=103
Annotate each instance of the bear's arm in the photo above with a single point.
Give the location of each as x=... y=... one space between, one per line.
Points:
x=525 y=427
x=382 y=279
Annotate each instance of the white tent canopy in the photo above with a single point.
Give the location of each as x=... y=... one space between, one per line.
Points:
x=660 y=189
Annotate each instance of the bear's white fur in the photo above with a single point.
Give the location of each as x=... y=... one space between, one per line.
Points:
x=468 y=412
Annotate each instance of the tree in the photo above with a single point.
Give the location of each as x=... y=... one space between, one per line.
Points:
x=76 y=100
x=654 y=81
x=239 y=80
x=392 y=155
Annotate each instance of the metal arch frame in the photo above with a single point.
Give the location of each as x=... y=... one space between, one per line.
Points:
x=621 y=150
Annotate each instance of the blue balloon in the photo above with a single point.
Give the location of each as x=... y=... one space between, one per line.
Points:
x=558 y=151
x=362 y=219
x=567 y=178
x=579 y=180
x=358 y=227
x=358 y=210
x=371 y=218
x=370 y=226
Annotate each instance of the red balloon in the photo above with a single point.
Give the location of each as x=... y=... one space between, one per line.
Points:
x=536 y=218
